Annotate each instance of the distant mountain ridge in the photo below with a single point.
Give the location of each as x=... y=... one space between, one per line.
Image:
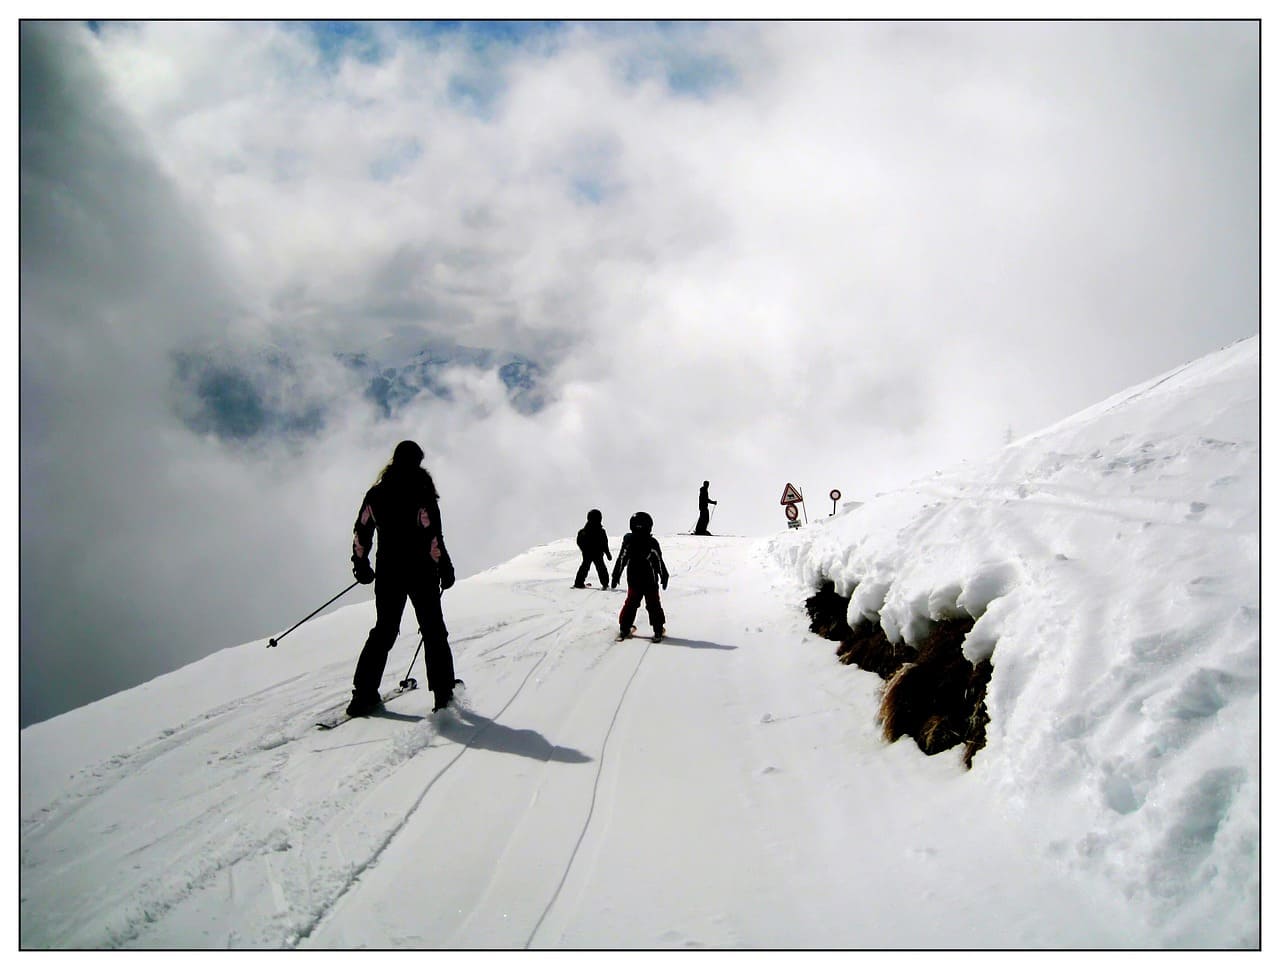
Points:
x=241 y=396
x=392 y=386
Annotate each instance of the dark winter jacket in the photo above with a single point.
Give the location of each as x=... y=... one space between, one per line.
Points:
x=641 y=556
x=594 y=541
x=404 y=510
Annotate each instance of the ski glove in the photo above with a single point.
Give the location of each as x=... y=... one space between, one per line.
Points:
x=446 y=575
x=363 y=571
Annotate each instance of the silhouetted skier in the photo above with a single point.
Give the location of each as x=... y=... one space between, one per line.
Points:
x=641 y=557
x=594 y=543
x=403 y=507
x=704 y=510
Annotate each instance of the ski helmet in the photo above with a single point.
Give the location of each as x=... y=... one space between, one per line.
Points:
x=594 y=516
x=641 y=522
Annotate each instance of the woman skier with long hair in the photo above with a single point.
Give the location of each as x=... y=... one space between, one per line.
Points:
x=403 y=508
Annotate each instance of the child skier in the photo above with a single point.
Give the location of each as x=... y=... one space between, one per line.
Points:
x=594 y=543
x=642 y=557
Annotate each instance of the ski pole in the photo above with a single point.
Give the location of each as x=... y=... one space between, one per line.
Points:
x=275 y=641
x=409 y=683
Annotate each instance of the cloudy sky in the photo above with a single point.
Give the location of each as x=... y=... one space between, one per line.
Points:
x=583 y=266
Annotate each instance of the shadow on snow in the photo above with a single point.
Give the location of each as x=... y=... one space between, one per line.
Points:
x=475 y=731
x=697 y=644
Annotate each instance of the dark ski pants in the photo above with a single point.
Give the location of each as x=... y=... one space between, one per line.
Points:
x=389 y=595
x=587 y=562
x=631 y=606
x=704 y=519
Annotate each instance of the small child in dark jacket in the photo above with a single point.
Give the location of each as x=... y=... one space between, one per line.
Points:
x=594 y=543
x=641 y=556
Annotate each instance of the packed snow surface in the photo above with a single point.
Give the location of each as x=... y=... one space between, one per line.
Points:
x=729 y=787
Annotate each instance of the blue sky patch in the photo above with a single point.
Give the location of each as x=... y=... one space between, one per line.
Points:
x=699 y=75
x=686 y=72
x=396 y=159
x=483 y=34
x=589 y=189
x=476 y=94
x=340 y=39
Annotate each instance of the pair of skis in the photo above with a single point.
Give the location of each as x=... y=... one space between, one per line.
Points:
x=340 y=716
x=327 y=722
x=656 y=638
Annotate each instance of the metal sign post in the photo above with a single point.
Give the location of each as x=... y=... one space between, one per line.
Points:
x=835 y=497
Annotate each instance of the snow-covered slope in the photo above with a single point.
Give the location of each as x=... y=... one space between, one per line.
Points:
x=1112 y=565
x=728 y=787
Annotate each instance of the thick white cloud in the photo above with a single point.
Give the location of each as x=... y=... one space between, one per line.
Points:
x=842 y=255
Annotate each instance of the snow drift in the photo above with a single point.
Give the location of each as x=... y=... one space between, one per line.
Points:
x=1111 y=563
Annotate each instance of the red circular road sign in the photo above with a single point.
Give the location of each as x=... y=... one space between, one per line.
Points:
x=835 y=495
x=793 y=513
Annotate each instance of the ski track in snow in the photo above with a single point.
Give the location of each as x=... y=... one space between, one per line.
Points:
x=396 y=829
x=595 y=792
x=584 y=644
x=267 y=859
x=197 y=865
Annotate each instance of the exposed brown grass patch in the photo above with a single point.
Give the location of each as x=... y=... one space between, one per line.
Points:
x=929 y=699
x=975 y=737
x=827 y=612
x=933 y=694
x=864 y=646
x=868 y=648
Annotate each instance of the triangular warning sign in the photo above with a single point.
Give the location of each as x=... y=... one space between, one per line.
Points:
x=790 y=496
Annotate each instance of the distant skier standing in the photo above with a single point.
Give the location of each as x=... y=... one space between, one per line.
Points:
x=403 y=507
x=704 y=510
x=594 y=543
x=641 y=556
